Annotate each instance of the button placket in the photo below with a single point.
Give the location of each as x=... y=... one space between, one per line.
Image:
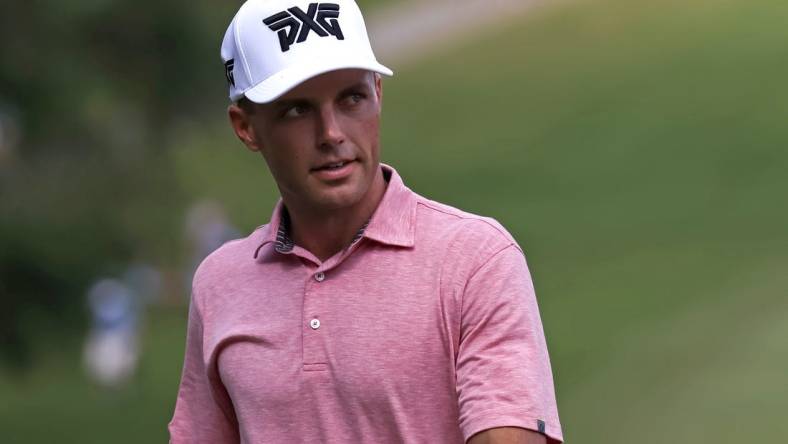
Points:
x=315 y=323
x=314 y=339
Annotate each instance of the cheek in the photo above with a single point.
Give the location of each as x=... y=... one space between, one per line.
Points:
x=368 y=130
x=285 y=148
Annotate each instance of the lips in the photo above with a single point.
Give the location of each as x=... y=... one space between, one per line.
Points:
x=333 y=165
x=334 y=173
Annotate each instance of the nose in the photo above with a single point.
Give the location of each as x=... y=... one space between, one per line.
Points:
x=329 y=128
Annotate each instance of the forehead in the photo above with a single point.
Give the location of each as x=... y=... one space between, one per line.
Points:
x=329 y=84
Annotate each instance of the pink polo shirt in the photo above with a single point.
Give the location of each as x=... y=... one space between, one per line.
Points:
x=423 y=330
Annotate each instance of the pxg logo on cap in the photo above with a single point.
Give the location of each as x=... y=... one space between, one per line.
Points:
x=228 y=71
x=293 y=26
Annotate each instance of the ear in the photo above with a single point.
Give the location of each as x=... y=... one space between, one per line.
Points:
x=240 y=120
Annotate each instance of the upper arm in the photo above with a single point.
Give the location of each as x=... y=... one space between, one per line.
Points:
x=203 y=411
x=504 y=378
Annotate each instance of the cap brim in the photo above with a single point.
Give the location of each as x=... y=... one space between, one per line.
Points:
x=275 y=86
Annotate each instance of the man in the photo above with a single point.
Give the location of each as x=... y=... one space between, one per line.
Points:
x=363 y=312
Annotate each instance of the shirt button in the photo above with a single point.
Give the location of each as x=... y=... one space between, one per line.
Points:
x=315 y=324
x=320 y=276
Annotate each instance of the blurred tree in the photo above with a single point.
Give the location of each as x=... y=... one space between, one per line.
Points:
x=96 y=86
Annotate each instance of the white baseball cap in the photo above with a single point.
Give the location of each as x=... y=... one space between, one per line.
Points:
x=272 y=46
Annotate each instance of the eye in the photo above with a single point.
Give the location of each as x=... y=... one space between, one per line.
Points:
x=355 y=98
x=295 y=111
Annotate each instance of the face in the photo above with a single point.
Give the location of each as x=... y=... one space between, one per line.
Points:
x=320 y=140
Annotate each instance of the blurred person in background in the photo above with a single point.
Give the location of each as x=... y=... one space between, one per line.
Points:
x=362 y=312
x=112 y=347
x=111 y=351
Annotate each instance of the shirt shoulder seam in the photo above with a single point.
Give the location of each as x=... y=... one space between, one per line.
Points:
x=466 y=216
x=477 y=269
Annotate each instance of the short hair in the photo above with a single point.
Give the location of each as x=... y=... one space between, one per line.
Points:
x=246 y=105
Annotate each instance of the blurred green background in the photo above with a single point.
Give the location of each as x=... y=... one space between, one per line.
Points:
x=637 y=150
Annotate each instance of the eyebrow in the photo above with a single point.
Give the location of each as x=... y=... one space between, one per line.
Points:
x=286 y=103
x=353 y=88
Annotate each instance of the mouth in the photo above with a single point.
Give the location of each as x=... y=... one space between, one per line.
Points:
x=335 y=171
x=333 y=166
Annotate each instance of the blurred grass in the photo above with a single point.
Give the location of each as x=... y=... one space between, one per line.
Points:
x=638 y=153
x=55 y=403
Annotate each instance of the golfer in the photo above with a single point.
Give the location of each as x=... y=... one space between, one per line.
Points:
x=361 y=312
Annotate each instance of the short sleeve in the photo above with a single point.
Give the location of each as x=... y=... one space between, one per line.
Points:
x=504 y=378
x=203 y=411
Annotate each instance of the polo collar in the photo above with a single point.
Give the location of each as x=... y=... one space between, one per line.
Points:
x=394 y=220
x=392 y=223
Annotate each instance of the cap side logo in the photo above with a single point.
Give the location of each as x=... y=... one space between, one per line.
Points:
x=294 y=25
x=228 y=71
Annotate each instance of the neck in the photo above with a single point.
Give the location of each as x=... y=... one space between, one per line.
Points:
x=326 y=233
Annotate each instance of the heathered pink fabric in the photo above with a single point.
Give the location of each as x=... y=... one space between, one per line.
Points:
x=429 y=333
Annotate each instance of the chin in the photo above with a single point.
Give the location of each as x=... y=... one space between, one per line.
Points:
x=346 y=195
x=336 y=201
